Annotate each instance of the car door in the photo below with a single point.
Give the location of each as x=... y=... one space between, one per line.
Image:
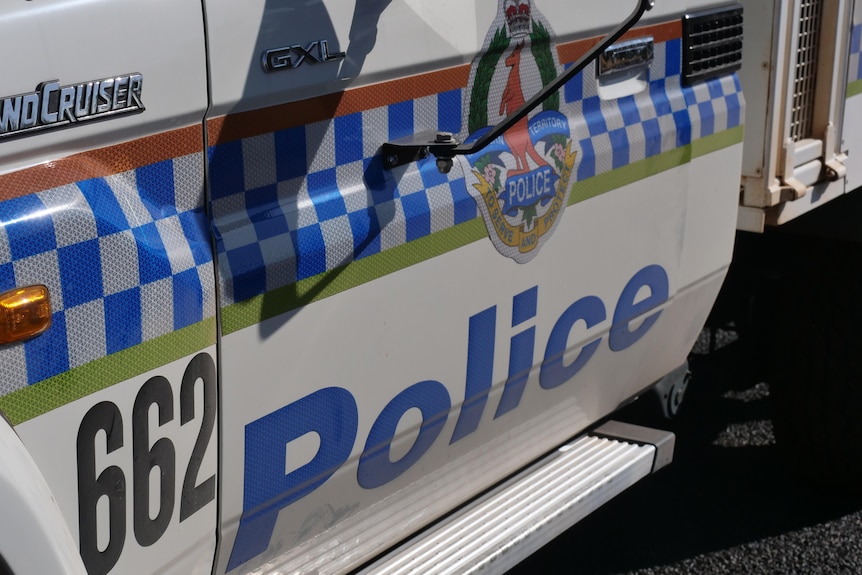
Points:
x=397 y=337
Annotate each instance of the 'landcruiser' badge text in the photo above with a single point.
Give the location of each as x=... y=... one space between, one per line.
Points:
x=51 y=105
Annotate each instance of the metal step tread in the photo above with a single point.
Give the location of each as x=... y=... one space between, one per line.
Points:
x=505 y=526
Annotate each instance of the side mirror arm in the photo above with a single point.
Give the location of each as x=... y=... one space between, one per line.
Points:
x=444 y=145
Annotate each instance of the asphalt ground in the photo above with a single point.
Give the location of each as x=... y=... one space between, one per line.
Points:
x=728 y=504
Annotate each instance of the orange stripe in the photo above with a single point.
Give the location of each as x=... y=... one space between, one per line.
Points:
x=267 y=120
x=159 y=147
x=102 y=162
x=571 y=51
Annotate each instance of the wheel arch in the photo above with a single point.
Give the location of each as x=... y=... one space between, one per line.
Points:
x=34 y=537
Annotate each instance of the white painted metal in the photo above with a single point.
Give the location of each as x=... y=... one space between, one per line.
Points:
x=807 y=150
x=830 y=89
x=33 y=534
x=684 y=227
x=750 y=219
x=398 y=516
x=851 y=135
x=89 y=40
x=383 y=39
x=187 y=547
x=763 y=53
x=78 y=42
x=808 y=173
x=852 y=140
x=828 y=111
x=821 y=193
x=377 y=339
x=795 y=81
x=412 y=326
x=404 y=328
x=505 y=527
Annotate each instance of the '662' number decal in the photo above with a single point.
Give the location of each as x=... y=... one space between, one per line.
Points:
x=111 y=482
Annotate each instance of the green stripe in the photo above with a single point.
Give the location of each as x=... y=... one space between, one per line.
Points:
x=241 y=315
x=252 y=311
x=628 y=174
x=32 y=401
x=854 y=88
x=79 y=382
x=716 y=142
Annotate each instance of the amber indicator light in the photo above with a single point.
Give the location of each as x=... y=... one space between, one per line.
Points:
x=24 y=313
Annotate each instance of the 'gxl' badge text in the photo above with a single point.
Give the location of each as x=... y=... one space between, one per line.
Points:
x=289 y=57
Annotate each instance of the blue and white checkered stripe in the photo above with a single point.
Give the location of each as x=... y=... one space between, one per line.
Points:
x=854 y=64
x=126 y=259
x=276 y=225
x=667 y=115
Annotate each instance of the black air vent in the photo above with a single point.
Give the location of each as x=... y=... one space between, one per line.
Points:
x=711 y=43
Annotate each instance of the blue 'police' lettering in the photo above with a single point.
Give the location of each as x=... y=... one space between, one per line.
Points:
x=331 y=413
x=480 y=365
x=655 y=278
x=375 y=466
x=554 y=372
x=521 y=348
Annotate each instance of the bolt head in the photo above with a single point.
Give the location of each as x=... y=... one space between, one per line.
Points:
x=444 y=165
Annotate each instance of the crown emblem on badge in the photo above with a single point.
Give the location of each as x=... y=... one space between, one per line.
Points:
x=520 y=181
x=518 y=17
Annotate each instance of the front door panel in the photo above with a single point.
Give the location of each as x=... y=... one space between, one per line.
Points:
x=396 y=341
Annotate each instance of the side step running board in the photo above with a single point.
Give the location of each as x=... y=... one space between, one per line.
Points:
x=506 y=525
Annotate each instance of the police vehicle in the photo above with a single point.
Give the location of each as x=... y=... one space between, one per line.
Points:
x=336 y=286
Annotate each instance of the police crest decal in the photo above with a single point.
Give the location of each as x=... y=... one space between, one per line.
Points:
x=521 y=181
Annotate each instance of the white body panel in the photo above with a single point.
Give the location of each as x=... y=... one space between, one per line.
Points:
x=851 y=135
x=185 y=547
x=418 y=321
x=37 y=540
x=853 y=141
x=116 y=198
x=303 y=390
x=79 y=42
x=383 y=40
x=786 y=173
x=375 y=341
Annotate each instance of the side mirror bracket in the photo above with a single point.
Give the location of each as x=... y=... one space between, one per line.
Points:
x=445 y=146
